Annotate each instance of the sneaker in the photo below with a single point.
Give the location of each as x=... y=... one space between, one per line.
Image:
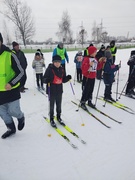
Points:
x=52 y=123
x=83 y=106
x=21 y=123
x=91 y=105
x=60 y=121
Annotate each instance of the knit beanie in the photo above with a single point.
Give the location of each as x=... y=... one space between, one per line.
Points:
x=14 y=44
x=91 y=50
x=1 y=38
x=56 y=58
x=108 y=54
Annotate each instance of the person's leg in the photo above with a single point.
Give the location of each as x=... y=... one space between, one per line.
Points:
x=52 y=102
x=8 y=120
x=15 y=111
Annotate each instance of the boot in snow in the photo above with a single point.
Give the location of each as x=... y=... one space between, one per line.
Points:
x=11 y=130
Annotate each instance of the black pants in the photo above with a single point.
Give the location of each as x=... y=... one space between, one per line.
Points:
x=39 y=79
x=130 y=85
x=99 y=74
x=57 y=98
x=79 y=74
x=88 y=89
x=108 y=90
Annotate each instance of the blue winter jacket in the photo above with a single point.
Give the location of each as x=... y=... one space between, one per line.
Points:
x=78 y=64
x=108 y=71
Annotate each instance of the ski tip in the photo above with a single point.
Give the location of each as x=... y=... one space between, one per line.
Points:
x=82 y=141
x=74 y=146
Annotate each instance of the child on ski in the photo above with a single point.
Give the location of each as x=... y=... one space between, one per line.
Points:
x=78 y=60
x=38 y=64
x=131 y=79
x=54 y=77
x=108 y=75
x=89 y=67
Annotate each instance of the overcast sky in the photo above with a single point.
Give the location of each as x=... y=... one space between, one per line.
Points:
x=117 y=16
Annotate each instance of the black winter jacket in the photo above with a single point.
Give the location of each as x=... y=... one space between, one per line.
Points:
x=14 y=94
x=49 y=77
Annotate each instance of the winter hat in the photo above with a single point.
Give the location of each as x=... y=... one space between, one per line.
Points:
x=37 y=54
x=1 y=38
x=56 y=59
x=79 y=51
x=91 y=50
x=132 y=53
x=108 y=54
x=102 y=46
x=14 y=44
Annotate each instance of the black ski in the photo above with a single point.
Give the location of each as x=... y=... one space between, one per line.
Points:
x=92 y=115
x=72 y=132
x=118 y=105
x=61 y=134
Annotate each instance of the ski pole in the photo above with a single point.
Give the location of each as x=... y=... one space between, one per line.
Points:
x=79 y=103
x=117 y=83
x=127 y=82
x=48 y=89
x=75 y=75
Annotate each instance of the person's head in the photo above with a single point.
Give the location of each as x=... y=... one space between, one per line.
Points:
x=132 y=53
x=112 y=43
x=56 y=61
x=92 y=51
x=91 y=44
x=15 y=45
x=108 y=48
x=102 y=47
x=79 y=52
x=37 y=55
x=108 y=54
x=1 y=40
x=60 y=45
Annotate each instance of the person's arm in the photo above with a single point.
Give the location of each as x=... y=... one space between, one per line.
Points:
x=19 y=72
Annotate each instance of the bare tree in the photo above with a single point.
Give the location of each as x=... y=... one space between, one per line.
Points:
x=6 y=33
x=82 y=35
x=20 y=14
x=65 y=33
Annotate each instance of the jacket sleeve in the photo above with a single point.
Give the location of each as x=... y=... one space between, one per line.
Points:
x=66 y=56
x=19 y=72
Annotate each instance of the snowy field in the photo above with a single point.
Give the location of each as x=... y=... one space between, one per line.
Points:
x=108 y=155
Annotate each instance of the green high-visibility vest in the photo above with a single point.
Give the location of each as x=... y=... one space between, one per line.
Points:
x=112 y=50
x=61 y=53
x=6 y=71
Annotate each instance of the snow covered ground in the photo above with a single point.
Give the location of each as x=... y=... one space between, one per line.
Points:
x=108 y=155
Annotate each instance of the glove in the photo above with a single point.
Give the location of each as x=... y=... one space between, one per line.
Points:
x=69 y=77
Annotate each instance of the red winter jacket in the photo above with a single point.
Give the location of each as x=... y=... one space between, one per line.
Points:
x=87 y=70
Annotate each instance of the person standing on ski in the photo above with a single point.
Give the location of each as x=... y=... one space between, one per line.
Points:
x=131 y=79
x=108 y=75
x=89 y=68
x=38 y=64
x=54 y=77
x=78 y=60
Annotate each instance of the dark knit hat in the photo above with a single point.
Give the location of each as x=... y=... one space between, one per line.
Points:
x=56 y=58
x=132 y=52
x=14 y=44
x=91 y=50
x=1 y=38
